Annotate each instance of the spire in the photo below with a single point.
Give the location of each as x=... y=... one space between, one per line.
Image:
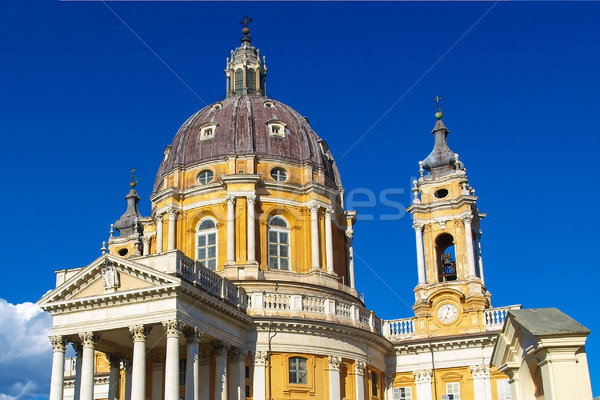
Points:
x=245 y=71
x=441 y=161
x=129 y=223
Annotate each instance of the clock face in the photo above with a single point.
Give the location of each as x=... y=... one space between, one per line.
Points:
x=447 y=313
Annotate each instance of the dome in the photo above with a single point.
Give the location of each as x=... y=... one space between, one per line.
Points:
x=248 y=125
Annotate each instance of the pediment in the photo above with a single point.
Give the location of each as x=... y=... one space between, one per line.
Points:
x=108 y=275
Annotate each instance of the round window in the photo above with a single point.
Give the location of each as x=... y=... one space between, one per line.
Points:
x=205 y=176
x=279 y=174
x=441 y=193
x=123 y=252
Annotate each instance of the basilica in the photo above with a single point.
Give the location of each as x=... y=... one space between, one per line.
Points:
x=240 y=284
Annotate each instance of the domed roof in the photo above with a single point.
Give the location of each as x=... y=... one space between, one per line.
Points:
x=242 y=125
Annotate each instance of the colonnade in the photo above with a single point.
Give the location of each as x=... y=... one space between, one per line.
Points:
x=229 y=382
x=251 y=199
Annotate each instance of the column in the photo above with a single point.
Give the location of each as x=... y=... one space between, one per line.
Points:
x=250 y=205
x=349 y=237
x=114 y=376
x=359 y=370
x=314 y=235
x=230 y=228
x=423 y=383
x=158 y=371
x=127 y=368
x=192 y=337
x=221 y=371
x=237 y=375
x=58 y=367
x=334 y=378
x=259 y=381
x=481 y=382
x=478 y=253
x=79 y=352
x=204 y=375
x=139 y=333
x=89 y=340
x=469 y=246
x=389 y=384
x=159 y=234
x=328 y=241
x=172 y=228
x=172 y=329
x=420 y=257
x=146 y=245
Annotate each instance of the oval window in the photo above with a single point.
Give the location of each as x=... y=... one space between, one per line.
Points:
x=205 y=177
x=123 y=252
x=441 y=193
x=279 y=174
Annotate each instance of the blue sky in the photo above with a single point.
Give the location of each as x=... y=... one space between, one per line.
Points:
x=84 y=99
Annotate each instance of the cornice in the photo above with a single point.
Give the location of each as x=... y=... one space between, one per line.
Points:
x=442 y=204
x=425 y=345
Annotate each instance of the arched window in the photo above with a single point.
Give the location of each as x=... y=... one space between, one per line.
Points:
x=239 y=81
x=251 y=79
x=206 y=243
x=298 y=370
x=446 y=259
x=279 y=244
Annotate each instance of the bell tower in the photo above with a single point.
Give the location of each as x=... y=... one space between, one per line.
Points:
x=450 y=295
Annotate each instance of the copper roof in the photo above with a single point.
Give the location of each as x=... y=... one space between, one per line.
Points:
x=242 y=129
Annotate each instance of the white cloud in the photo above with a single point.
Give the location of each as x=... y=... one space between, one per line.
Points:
x=25 y=351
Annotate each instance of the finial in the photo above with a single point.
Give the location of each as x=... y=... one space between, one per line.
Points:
x=103 y=249
x=246 y=31
x=134 y=179
x=112 y=230
x=438 y=114
x=421 y=170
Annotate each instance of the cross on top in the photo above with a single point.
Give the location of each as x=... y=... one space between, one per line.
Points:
x=437 y=100
x=246 y=21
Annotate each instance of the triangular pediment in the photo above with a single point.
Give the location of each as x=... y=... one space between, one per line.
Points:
x=108 y=275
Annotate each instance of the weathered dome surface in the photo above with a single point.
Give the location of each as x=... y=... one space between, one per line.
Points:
x=242 y=124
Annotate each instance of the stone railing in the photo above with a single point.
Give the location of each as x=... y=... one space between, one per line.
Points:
x=395 y=329
x=493 y=318
x=212 y=282
x=314 y=307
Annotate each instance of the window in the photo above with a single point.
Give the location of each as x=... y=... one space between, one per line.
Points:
x=504 y=390
x=208 y=131
x=239 y=81
x=277 y=128
x=279 y=174
x=374 y=385
x=298 y=370
x=182 y=368
x=444 y=245
x=206 y=243
x=452 y=391
x=402 y=393
x=205 y=177
x=279 y=244
x=251 y=79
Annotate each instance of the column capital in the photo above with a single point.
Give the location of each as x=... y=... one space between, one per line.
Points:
x=349 y=233
x=230 y=199
x=173 y=211
x=172 y=328
x=139 y=333
x=467 y=219
x=359 y=368
x=423 y=376
x=418 y=226
x=192 y=335
x=89 y=339
x=158 y=363
x=334 y=362
x=159 y=218
x=221 y=348
x=145 y=239
x=59 y=343
x=313 y=206
x=114 y=359
x=251 y=199
x=238 y=354
x=204 y=357
x=260 y=358
x=328 y=212
x=78 y=347
x=480 y=371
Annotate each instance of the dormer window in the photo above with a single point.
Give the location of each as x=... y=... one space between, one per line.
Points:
x=208 y=131
x=277 y=128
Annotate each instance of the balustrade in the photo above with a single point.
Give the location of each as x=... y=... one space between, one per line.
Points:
x=493 y=318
